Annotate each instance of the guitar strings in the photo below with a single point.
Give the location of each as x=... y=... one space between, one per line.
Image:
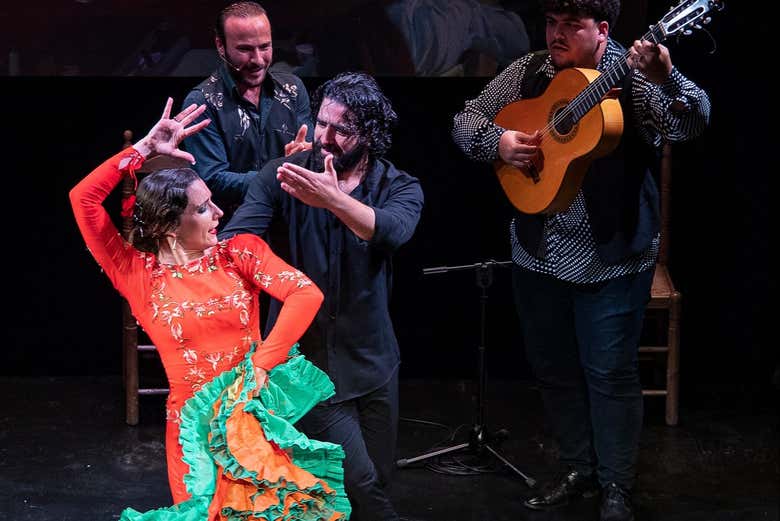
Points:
x=591 y=91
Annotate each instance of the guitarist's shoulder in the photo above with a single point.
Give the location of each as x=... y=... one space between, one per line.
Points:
x=531 y=61
x=537 y=58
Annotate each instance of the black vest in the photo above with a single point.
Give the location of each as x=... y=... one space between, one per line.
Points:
x=621 y=196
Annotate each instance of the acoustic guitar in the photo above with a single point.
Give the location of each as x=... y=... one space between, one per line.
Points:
x=579 y=119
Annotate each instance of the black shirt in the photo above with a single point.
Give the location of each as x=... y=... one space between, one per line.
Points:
x=352 y=338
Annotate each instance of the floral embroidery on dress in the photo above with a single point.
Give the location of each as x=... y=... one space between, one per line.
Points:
x=213 y=359
x=173 y=415
x=172 y=306
x=294 y=276
x=177 y=314
x=196 y=377
x=236 y=353
x=190 y=356
x=176 y=330
x=217 y=362
x=263 y=279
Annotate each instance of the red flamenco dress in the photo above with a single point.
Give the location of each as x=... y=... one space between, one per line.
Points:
x=230 y=456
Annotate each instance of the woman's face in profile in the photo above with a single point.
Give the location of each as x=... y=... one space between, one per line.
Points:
x=197 y=228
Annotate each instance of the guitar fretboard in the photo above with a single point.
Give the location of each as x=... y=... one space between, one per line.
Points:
x=594 y=93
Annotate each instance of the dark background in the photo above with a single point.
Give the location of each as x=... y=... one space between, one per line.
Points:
x=63 y=317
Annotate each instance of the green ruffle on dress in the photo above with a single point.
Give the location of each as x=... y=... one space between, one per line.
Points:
x=293 y=388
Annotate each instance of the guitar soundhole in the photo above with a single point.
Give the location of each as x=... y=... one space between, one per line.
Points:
x=564 y=125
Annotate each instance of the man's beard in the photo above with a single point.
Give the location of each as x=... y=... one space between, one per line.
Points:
x=245 y=81
x=341 y=163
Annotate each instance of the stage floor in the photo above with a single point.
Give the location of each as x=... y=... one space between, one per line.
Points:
x=66 y=454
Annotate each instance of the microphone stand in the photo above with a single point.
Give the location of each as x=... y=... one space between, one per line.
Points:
x=479 y=437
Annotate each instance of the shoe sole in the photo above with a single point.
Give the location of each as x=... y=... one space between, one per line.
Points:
x=585 y=495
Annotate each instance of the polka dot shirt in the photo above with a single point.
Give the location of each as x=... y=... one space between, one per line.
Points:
x=569 y=250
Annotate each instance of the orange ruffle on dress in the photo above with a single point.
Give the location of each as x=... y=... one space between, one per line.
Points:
x=203 y=318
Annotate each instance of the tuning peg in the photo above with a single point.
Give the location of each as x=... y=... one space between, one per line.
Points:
x=687 y=32
x=697 y=26
x=707 y=20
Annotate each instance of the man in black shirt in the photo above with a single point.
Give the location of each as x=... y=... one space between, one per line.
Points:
x=347 y=210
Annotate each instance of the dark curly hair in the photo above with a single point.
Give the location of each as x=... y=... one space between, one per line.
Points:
x=161 y=198
x=370 y=112
x=599 y=10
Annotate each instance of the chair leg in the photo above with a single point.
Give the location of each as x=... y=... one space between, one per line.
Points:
x=673 y=362
x=130 y=354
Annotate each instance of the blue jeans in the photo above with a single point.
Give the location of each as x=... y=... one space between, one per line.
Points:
x=367 y=428
x=582 y=343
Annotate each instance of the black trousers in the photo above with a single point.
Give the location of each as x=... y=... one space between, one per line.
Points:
x=367 y=429
x=582 y=342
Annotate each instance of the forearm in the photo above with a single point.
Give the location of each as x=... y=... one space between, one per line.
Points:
x=295 y=316
x=678 y=109
x=474 y=130
x=100 y=235
x=301 y=298
x=355 y=215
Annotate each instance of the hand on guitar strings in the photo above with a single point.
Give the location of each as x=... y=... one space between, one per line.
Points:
x=519 y=149
x=650 y=59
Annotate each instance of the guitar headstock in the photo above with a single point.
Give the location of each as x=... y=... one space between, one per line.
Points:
x=683 y=18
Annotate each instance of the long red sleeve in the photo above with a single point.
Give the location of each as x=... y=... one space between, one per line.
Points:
x=103 y=240
x=301 y=297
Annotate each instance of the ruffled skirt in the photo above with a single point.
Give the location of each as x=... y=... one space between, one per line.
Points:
x=247 y=461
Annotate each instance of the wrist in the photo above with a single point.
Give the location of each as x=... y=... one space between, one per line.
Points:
x=143 y=148
x=258 y=364
x=338 y=201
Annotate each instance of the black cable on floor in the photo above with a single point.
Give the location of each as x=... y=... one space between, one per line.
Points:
x=451 y=464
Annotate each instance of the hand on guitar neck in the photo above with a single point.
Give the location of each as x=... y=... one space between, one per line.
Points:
x=521 y=150
x=650 y=59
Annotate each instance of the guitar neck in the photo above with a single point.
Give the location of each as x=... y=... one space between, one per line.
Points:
x=594 y=93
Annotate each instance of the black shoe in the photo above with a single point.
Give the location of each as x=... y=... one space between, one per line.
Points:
x=573 y=485
x=616 y=504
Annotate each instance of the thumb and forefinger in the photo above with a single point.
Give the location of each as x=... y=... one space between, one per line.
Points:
x=528 y=139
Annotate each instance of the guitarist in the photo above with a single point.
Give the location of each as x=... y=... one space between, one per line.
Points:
x=582 y=277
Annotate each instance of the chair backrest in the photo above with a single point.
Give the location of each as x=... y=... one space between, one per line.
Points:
x=666 y=201
x=130 y=345
x=127 y=187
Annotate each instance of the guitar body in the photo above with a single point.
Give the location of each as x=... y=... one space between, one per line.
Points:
x=566 y=151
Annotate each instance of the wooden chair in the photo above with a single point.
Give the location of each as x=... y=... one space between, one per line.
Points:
x=131 y=349
x=664 y=307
